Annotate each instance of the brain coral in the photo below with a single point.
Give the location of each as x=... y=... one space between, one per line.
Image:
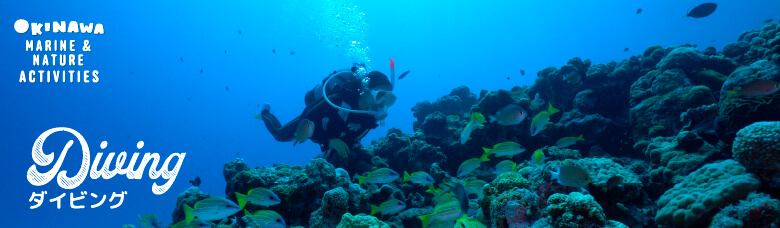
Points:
x=575 y=210
x=757 y=147
x=712 y=186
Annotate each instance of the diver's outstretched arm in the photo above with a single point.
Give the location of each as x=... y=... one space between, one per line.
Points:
x=282 y=133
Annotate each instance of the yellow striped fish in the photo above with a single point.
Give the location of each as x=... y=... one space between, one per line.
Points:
x=538 y=157
x=441 y=224
x=475 y=122
x=475 y=186
x=378 y=176
x=210 y=209
x=539 y=122
x=196 y=223
x=149 y=220
x=269 y=218
x=421 y=177
x=505 y=166
x=470 y=165
x=568 y=141
x=260 y=196
x=388 y=207
x=442 y=197
x=431 y=189
x=466 y=222
x=448 y=211
x=507 y=148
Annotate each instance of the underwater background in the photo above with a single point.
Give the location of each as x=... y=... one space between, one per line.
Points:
x=189 y=76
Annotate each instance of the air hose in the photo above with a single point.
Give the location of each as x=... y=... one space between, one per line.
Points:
x=376 y=114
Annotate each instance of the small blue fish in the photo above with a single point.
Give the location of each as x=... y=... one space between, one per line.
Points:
x=460 y=193
x=537 y=102
x=572 y=176
x=572 y=77
x=379 y=176
x=404 y=74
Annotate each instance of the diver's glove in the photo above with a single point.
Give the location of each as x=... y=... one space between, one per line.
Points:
x=380 y=115
x=266 y=107
x=340 y=146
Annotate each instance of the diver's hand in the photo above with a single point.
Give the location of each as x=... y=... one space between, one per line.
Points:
x=340 y=147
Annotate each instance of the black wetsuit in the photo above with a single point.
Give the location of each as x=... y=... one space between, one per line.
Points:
x=329 y=122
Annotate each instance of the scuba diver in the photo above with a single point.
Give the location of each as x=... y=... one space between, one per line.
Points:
x=339 y=111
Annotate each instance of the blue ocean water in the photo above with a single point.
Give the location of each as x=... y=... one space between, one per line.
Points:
x=151 y=87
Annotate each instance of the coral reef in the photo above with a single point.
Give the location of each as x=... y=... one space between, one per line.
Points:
x=458 y=102
x=299 y=188
x=667 y=122
x=406 y=152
